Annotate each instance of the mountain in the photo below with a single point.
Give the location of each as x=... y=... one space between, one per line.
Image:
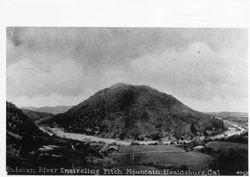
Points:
x=22 y=135
x=47 y=109
x=19 y=123
x=229 y=114
x=35 y=116
x=134 y=112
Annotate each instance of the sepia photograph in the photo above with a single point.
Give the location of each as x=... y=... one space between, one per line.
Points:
x=126 y=101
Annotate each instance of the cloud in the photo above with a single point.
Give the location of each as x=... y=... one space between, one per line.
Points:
x=198 y=66
x=48 y=100
x=29 y=78
x=196 y=73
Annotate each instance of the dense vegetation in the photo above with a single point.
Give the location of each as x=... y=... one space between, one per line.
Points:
x=21 y=135
x=134 y=112
x=237 y=138
x=19 y=123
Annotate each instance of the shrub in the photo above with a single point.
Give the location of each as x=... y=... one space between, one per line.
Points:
x=156 y=136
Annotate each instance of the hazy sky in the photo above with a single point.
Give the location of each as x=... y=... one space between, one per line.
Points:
x=206 y=69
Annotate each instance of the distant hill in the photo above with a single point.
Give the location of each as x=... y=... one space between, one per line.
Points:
x=133 y=112
x=35 y=116
x=240 y=118
x=229 y=114
x=48 y=109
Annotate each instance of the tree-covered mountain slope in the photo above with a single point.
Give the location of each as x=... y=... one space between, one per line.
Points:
x=134 y=112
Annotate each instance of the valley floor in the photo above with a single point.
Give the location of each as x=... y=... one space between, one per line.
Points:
x=78 y=151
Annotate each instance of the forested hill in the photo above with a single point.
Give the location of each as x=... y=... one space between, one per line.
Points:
x=22 y=136
x=133 y=112
x=19 y=123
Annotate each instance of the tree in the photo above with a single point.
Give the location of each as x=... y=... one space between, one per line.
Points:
x=205 y=133
x=156 y=136
x=193 y=129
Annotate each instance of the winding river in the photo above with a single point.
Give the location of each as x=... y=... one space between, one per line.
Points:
x=233 y=129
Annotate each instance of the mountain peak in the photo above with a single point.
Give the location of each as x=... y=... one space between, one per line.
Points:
x=119 y=84
x=126 y=85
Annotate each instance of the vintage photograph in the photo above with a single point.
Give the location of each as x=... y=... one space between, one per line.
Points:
x=126 y=101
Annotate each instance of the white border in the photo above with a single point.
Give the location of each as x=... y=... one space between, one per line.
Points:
x=112 y=13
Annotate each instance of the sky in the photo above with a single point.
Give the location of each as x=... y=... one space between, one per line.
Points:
x=205 y=68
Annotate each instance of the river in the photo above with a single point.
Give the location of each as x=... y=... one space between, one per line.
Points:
x=233 y=129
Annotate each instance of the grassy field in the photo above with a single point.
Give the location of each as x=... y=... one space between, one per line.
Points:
x=218 y=145
x=160 y=155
